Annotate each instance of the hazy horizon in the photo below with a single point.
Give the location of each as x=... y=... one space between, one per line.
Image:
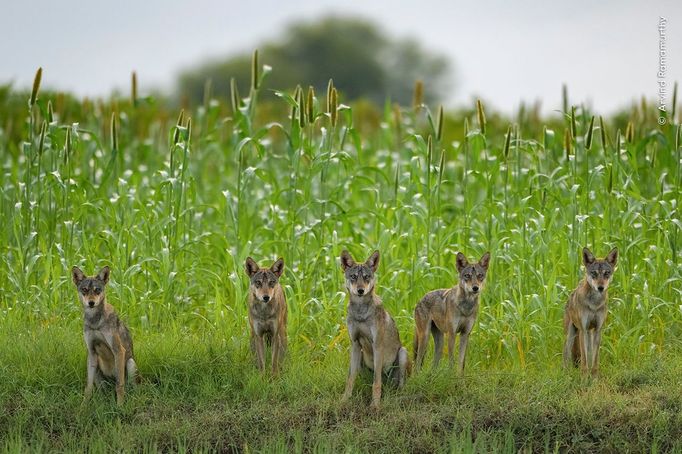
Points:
x=500 y=52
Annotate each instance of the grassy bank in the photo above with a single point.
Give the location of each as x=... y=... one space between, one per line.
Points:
x=202 y=392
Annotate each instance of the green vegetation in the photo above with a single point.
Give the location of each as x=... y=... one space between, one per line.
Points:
x=175 y=204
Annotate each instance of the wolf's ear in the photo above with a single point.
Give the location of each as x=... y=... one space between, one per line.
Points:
x=373 y=261
x=588 y=257
x=346 y=260
x=461 y=262
x=251 y=266
x=485 y=260
x=103 y=274
x=278 y=267
x=77 y=275
x=612 y=258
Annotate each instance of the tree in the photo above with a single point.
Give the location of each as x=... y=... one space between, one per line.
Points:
x=363 y=62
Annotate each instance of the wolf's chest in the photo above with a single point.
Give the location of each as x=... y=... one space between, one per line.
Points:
x=97 y=343
x=359 y=331
x=263 y=312
x=466 y=307
x=594 y=316
x=362 y=333
x=361 y=323
x=95 y=338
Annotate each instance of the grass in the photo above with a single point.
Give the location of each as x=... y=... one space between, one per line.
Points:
x=175 y=205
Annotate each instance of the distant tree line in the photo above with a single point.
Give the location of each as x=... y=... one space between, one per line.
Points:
x=363 y=61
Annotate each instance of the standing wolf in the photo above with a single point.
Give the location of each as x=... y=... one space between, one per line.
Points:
x=110 y=347
x=586 y=312
x=450 y=311
x=375 y=341
x=267 y=312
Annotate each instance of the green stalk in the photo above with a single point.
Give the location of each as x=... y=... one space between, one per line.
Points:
x=441 y=166
x=465 y=148
x=325 y=171
x=133 y=89
x=41 y=147
x=255 y=86
x=678 y=146
x=182 y=197
x=29 y=150
x=429 y=154
x=480 y=114
x=67 y=190
x=505 y=154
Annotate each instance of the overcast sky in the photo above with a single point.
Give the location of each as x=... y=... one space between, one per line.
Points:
x=503 y=51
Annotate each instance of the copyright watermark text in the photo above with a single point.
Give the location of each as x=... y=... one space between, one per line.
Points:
x=662 y=69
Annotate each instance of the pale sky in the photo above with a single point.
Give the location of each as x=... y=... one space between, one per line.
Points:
x=502 y=51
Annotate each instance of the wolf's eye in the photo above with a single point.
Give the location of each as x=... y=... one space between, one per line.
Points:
x=594 y=274
x=480 y=276
x=258 y=283
x=467 y=276
x=606 y=274
x=97 y=291
x=272 y=283
x=353 y=277
x=84 y=290
x=366 y=277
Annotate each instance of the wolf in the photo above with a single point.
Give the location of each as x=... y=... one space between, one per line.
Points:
x=375 y=341
x=450 y=311
x=585 y=312
x=267 y=312
x=107 y=339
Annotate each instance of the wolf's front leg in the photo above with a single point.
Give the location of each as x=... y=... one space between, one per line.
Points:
x=275 y=354
x=585 y=350
x=92 y=373
x=463 y=342
x=451 y=348
x=355 y=363
x=378 y=371
x=259 y=346
x=120 y=370
x=283 y=345
x=596 y=341
x=437 y=345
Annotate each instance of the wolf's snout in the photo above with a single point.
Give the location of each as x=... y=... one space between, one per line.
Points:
x=600 y=288
x=361 y=291
x=91 y=303
x=266 y=298
x=475 y=288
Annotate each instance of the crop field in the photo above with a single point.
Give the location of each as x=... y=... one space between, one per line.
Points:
x=174 y=202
